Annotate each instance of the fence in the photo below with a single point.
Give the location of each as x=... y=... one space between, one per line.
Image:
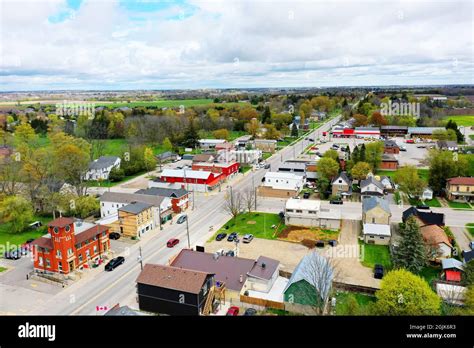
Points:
x=262 y=302
x=354 y=288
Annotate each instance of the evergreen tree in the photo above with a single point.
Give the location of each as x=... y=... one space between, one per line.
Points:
x=362 y=153
x=294 y=130
x=191 y=136
x=267 y=115
x=411 y=252
x=453 y=125
x=355 y=155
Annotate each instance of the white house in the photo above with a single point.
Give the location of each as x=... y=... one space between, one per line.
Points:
x=276 y=184
x=376 y=233
x=111 y=202
x=210 y=144
x=306 y=212
x=101 y=167
x=371 y=187
x=427 y=194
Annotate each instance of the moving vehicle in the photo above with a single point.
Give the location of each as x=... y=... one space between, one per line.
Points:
x=181 y=219
x=230 y=253
x=267 y=166
x=114 y=235
x=306 y=195
x=233 y=311
x=334 y=201
x=221 y=236
x=12 y=255
x=410 y=141
x=403 y=148
x=378 y=271
x=320 y=244
x=250 y=311
x=248 y=238
x=172 y=242
x=114 y=263
x=471 y=244
x=233 y=236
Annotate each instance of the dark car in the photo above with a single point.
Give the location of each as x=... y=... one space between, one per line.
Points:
x=378 y=271
x=114 y=235
x=250 y=311
x=319 y=154
x=114 y=263
x=422 y=206
x=233 y=236
x=181 y=219
x=311 y=139
x=230 y=253
x=221 y=236
x=320 y=244
x=267 y=166
x=172 y=242
x=334 y=147
x=335 y=201
x=12 y=255
x=332 y=242
x=306 y=195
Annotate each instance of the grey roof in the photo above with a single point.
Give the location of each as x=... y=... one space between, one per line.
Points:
x=390 y=143
x=423 y=130
x=447 y=143
x=343 y=176
x=389 y=157
x=164 y=192
x=371 y=180
x=103 y=162
x=314 y=269
x=371 y=202
x=368 y=128
x=135 y=207
x=122 y=197
x=166 y=155
x=451 y=263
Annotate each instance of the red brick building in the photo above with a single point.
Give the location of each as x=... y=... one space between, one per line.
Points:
x=219 y=168
x=391 y=147
x=69 y=245
x=389 y=162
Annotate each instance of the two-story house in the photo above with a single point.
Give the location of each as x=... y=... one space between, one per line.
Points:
x=376 y=216
x=308 y=212
x=101 y=167
x=341 y=185
x=134 y=220
x=460 y=189
x=371 y=187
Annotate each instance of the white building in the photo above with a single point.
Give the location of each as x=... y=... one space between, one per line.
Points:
x=376 y=233
x=101 y=167
x=276 y=184
x=210 y=144
x=306 y=212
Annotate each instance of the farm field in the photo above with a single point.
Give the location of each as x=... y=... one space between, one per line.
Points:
x=461 y=120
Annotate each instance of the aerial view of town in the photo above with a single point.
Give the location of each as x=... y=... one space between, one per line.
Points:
x=236 y=158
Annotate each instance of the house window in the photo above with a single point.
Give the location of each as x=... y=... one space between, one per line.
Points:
x=289 y=210
x=58 y=253
x=312 y=211
x=371 y=236
x=40 y=261
x=95 y=249
x=373 y=220
x=48 y=263
x=80 y=257
x=299 y=211
x=60 y=266
x=69 y=252
x=103 y=204
x=88 y=253
x=382 y=237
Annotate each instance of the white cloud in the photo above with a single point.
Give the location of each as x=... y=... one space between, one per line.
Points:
x=276 y=43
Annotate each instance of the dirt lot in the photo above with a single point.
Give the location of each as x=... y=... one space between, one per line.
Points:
x=289 y=254
x=298 y=234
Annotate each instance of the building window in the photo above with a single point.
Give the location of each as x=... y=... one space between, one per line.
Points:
x=289 y=210
x=95 y=249
x=312 y=211
x=60 y=266
x=40 y=261
x=299 y=211
x=69 y=252
x=55 y=230
x=58 y=253
x=80 y=257
x=48 y=263
x=88 y=253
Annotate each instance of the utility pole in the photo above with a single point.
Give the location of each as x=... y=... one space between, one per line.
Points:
x=193 y=201
x=254 y=192
x=187 y=231
x=159 y=217
x=140 y=258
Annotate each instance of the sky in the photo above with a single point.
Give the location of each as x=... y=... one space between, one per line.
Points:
x=166 y=44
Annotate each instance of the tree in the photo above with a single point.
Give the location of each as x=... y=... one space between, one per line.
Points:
x=327 y=168
x=116 y=174
x=332 y=154
x=411 y=252
x=17 y=211
x=362 y=156
x=272 y=132
x=294 y=130
x=453 y=125
x=355 y=157
x=373 y=154
x=360 y=120
x=451 y=135
x=167 y=145
x=377 y=119
x=403 y=293
x=323 y=186
x=191 y=136
x=409 y=181
x=24 y=133
x=444 y=165
x=252 y=127
x=469 y=273
x=149 y=159
x=233 y=203
x=469 y=300
x=86 y=206
x=221 y=134
x=360 y=170
x=266 y=115
x=439 y=134
x=71 y=164
x=249 y=198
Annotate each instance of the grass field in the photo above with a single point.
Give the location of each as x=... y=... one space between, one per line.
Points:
x=95 y=183
x=258 y=224
x=343 y=306
x=376 y=254
x=470 y=228
x=430 y=273
x=232 y=135
x=459 y=205
x=2 y=269
x=422 y=173
x=461 y=120
x=471 y=136
x=434 y=203
x=9 y=239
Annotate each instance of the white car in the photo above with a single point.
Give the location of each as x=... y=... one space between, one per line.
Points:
x=248 y=238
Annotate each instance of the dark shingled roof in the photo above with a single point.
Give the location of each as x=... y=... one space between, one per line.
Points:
x=103 y=162
x=163 y=192
x=427 y=217
x=173 y=278
x=43 y=242
x=135 y=207
x=227 y=269
x=390 y=144
x=264 y=268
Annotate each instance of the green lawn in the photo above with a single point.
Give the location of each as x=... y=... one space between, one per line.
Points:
x=461 y=120
x=245 y=169
x=430 y=273
x=376 y=254
x=9 y=239
x=422 y=173
x=232 y=135
x=285 y=142
x=471 y=136
x=262 y=228
x=459 y=205
x=266 y=155
x=470 y=228
x=105 y=183
x=2 y=269
x=344 y=306
x=434 y=203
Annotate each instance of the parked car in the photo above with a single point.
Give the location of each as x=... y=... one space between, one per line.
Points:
x=471 y=244
x=403 y=148
x=230 y=253
x=336 y=201
x=181 y=219
x=332 y=242
x=250 y=311
x=233 y=236
x=114 y=263
x=306 y=195
x=267 y=166
x=12 y=255
x=378 y=271
x=422 y=206
x=248 y=238
x=220 y=252
x=410 y=141
x=311 y=139
x=35 y=225
x=319 y=154
x=172 y=242
x=221 y=236
x=233 y=311
x=320 y=244
x=334 y=147
x=114 y=235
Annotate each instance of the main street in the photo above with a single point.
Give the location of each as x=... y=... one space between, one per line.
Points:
x=100 y=288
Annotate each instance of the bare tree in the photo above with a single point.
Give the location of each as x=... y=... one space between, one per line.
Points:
x=233 y=203
x=248 y=198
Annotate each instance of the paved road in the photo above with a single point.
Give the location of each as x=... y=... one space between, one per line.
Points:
x=99 y=288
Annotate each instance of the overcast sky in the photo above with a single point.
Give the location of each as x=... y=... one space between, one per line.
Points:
x=149 y=44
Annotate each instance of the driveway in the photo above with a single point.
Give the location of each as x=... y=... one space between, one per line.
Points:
x=461 y=237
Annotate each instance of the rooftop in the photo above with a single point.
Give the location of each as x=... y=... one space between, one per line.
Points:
x=369 y=203
x=377 y=229
x=103 y=162
x=306 y=204
x=189 y=173
x=123 y=197
x=460 y=180
x=135 y=207
x=164 y=192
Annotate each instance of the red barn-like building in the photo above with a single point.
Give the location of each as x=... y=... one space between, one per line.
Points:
x=227 y=169
x=69 y=245
x=196 y=180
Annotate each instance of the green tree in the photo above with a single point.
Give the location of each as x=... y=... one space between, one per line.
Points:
x=266 y=115
x=327 y=167
x=444 y=165
x=403 y=293
x=331 y=154
x=17 y=211
x=24 y=134
x=323 y=187
x=86 y=206
x=360 y=170
x=453 y=125
x=373 y=154
x=116 y=174
x=149 y=159
x=294 y=130
x=167 y=145
x=362 y=156
x=411 y=252
x=191 y=136
x=355 y=157
x=409 y=181
x=221 y=134
x=469 y=273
